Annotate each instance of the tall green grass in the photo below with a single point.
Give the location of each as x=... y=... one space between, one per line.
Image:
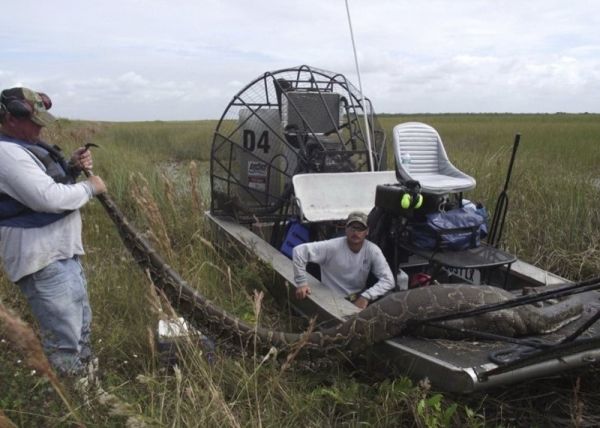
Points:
x=553 y=221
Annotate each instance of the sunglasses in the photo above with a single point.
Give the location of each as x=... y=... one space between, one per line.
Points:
x=357 y=228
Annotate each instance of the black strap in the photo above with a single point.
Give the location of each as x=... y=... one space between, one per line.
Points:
x=567 y=290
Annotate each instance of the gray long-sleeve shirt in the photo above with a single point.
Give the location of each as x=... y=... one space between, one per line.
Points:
x=343 y=270
x=25 y=251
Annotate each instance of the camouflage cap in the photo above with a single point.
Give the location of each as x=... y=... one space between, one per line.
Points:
x=25 y=102
x=357 y=217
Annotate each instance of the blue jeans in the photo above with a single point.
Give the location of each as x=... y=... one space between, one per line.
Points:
x=58 y=298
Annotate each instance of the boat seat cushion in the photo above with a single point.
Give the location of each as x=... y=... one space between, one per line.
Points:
x=332 y=196
x=429 y=163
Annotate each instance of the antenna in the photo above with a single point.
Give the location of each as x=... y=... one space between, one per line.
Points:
x=367 y=130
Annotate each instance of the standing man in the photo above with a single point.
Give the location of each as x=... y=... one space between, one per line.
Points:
x=40 y=226
x=345 y=263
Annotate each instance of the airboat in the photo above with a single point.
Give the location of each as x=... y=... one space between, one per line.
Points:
x=298 y=149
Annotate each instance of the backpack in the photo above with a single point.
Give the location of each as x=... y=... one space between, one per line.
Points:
x=295 y=234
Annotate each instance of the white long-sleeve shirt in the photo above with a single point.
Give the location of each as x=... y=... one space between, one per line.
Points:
x=25 y=251
x=343 y=270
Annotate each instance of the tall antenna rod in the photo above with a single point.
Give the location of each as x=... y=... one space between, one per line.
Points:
x=368 y=132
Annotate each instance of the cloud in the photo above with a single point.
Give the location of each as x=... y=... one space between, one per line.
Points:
x=136 y=60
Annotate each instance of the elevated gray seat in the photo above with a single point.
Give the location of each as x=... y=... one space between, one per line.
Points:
x=429 y=163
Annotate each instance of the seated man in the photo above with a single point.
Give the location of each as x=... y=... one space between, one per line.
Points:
x=345 y=263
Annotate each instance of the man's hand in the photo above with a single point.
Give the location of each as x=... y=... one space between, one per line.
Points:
x=302 y=292
x=82 y=158
x=361 y=302
x=97 y=184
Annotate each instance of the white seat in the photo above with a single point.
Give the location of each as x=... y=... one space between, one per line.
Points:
x=332 y=196
x=429 y=163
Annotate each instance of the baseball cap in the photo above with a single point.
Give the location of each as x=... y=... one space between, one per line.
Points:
x=24 y=102
x=357 y=217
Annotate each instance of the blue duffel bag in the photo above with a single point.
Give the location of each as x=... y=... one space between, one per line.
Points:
x=454 y=230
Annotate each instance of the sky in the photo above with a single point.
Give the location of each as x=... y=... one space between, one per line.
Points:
x=132 y=60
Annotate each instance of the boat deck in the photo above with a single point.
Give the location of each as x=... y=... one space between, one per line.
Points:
x=453 y=365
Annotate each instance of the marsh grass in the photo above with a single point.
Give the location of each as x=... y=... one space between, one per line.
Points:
x=24 y=340
x=5 y=422
x=553 y=221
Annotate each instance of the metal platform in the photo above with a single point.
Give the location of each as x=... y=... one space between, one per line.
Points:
x=452 y=365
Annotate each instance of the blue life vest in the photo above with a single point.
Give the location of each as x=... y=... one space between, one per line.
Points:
x=12 y=212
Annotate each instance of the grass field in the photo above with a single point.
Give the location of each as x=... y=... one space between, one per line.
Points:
x=553 y=222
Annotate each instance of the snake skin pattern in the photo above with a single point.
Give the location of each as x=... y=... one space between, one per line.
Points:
x=381 y=320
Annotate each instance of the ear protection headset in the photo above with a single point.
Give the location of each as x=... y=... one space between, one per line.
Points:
x=13 y=104
x=412 y=198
